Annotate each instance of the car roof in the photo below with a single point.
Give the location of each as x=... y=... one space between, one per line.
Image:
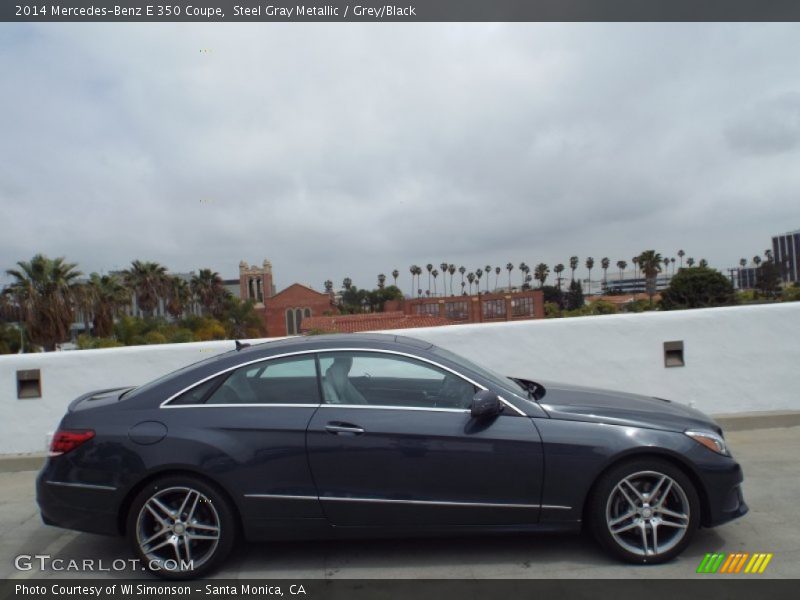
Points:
x=337 y=339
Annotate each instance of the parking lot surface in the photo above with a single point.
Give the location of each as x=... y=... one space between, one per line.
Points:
x=770 y=459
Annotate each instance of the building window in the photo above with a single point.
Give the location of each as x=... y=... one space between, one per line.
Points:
x=428 y=308
x=456 y=311
x=522 y=307
x=298 y=318
x=494 y=309
x=306 y=313
x=290 y=328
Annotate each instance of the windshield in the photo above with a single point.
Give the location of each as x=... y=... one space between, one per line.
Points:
x=499 y=380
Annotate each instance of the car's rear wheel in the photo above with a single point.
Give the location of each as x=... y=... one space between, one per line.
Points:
x=181 y=527
x=644 y=511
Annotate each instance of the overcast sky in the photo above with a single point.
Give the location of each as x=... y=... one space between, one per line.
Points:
x=351 y=149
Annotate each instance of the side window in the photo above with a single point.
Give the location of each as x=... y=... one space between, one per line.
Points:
x=198 y=394
x=291 y=380
x=375 y=379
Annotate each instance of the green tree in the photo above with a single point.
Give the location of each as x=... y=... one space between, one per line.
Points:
x=381 y=280
x=698 y=288
x=241 y=320
x=43 y=292
x=589 y=267
x=575 y=295
x=573 y=264
x=558 y=269
x=650 y=263
x=621 y=265
x=541 y=272
x=178 y=296
x=768 y=279
x=604 y=264
x=147 y=281
x=108 y=298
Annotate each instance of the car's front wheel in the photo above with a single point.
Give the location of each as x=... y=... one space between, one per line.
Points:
x=181 y=527
x=644 y=511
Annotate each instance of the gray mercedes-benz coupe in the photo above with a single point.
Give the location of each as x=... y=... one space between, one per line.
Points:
x=378 y=435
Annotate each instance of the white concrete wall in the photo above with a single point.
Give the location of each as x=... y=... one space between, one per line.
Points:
x=738 y=359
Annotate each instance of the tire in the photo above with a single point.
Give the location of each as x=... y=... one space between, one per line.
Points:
x=185 y=519
x=646 y=529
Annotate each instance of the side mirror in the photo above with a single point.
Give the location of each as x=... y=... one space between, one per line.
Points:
x=485 y=404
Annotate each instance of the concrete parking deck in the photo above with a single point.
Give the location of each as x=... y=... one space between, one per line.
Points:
x=772 y=488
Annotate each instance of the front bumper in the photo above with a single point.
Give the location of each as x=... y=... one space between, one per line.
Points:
x=722 y=481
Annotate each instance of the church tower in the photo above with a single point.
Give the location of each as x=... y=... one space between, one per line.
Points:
x=255 y=283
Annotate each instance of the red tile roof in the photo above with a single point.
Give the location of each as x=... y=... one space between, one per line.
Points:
x=369 y=322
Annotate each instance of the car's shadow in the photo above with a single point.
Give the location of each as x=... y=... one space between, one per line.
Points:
x=485 y=556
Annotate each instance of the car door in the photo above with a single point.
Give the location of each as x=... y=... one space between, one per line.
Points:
x=247 y=427
x=394 y=445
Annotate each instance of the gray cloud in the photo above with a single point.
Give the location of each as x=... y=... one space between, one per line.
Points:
x=349 y=150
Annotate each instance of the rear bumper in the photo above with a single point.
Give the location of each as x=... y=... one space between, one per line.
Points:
x=77 y=506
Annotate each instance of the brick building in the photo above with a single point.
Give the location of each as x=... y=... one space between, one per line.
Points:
x=285 y=311
x=369 y=322
x=483 y=308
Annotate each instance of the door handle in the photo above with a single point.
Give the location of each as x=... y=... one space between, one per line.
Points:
x=343 y=429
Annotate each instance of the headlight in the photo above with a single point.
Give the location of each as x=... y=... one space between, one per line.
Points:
x=710 y=440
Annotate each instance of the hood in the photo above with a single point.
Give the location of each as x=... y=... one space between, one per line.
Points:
x=574 y=403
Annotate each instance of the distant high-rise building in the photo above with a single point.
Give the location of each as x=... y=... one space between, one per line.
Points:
x=786 y=252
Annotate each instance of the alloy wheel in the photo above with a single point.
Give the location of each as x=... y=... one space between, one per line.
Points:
x=178 y=528
x=648 y=513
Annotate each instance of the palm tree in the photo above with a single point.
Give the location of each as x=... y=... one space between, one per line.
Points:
x=604 y=264
x=395 y=275
x=497 y=271
x=742 y=262
x=413 y=270
x=435 y=274
x=488 y=271
x=703 y=264
x=523 y=272
x=329 y=285
x=666 y=266
x=589 y=265
x=209 y=289
x=681 y=254
x=381 y=281
x=768 y=254
x=509 y=267
x=573 y=264
x=347 y=283
x=478 y=275
x=148 y=282
x=541 y=272
x=650 y=262
x=558 y=269
x=444 y=266
x=471 y=279
x=452 y=270
x=108 y=297
x=672 y=260
x=177 y=297
x=621 y=265
x=429 y=267
x=635 y=260
x=462 y=270
x=241 y=320
x=43 y=292
x=690 y=261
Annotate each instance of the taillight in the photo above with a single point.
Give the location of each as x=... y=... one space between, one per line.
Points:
x=66 y=440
